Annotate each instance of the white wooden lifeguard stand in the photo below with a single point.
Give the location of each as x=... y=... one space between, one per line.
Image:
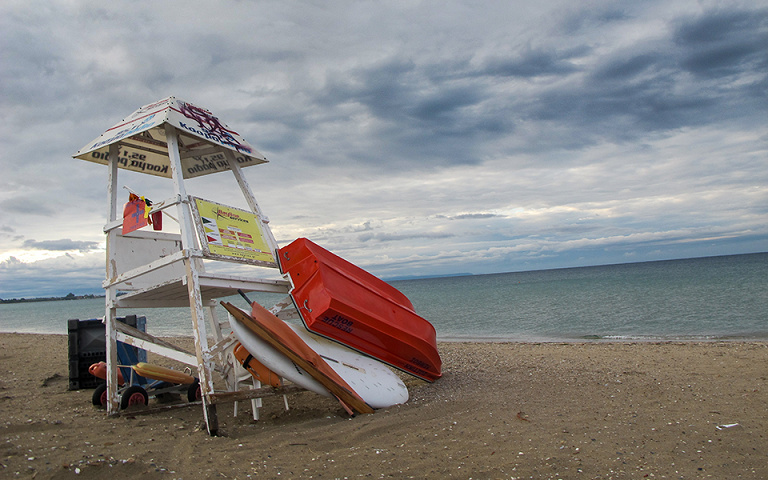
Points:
x=175 y=139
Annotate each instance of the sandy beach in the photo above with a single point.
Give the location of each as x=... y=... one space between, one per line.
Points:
x=502 y=410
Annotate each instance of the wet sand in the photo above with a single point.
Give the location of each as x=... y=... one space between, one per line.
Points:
x=502 y=410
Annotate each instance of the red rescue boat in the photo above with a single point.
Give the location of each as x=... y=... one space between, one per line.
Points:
x=343 y=302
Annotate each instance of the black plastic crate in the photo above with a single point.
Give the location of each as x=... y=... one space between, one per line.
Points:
x=88 y=345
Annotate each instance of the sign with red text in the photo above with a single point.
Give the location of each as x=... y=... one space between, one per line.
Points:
x=231 y=233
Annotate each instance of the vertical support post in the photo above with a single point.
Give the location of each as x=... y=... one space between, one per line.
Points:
x=248 y=194
x=215 y=324
x=256 y=403
x=193 y=283
x=110 y=316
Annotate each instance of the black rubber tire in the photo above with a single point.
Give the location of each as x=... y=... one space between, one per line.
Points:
x=193 y=392
x=133 y=395
x=99 y=397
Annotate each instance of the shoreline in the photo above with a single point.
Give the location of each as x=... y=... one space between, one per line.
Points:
x=587 y=339
x=501 y=410
x=607 y=339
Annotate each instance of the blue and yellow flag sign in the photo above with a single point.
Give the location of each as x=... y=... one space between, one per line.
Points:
x=231 y=233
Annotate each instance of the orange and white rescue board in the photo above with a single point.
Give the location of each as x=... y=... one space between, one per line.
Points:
x=259 y=371
x=282 y=338
x=156 y=372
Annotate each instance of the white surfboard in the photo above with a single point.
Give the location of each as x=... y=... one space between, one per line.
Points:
x=376 y=384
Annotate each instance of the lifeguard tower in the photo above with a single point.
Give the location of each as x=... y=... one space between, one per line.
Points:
x=145 y=268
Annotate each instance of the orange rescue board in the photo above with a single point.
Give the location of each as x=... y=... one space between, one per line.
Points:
x=259 y=371
x=280 y=336
x=99 y=370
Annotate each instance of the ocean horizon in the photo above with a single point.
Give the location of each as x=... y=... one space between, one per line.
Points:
x=693 y=299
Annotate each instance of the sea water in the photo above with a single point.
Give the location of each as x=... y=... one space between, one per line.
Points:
x=693 y=299
x=713 y=298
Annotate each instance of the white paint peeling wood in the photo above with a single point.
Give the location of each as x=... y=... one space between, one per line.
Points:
x=158 y=269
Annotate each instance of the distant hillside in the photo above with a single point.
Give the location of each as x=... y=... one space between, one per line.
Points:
x=421 y=277
x=70 y=296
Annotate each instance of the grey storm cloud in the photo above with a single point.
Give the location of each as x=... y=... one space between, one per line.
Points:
x=434 y=111
x=724 y=42
x=63 y=244
x=389 y=237
x=535 y=63
x=473 y=216
x=491 y=134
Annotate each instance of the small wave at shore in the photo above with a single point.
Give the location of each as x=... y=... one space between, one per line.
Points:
x=757 y=337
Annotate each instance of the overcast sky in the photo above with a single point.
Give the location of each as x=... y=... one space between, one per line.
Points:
x=411 y=138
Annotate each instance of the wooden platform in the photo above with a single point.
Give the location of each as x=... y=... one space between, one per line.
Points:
x=174 y=293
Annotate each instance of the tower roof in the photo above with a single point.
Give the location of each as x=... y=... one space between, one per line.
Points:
x=203 y=139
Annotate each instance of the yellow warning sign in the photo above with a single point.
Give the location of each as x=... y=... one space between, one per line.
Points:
x=231 y=232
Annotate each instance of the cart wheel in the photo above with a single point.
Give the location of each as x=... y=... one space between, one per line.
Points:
x=193 y=393
x=134 y=395
x=99 y=397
